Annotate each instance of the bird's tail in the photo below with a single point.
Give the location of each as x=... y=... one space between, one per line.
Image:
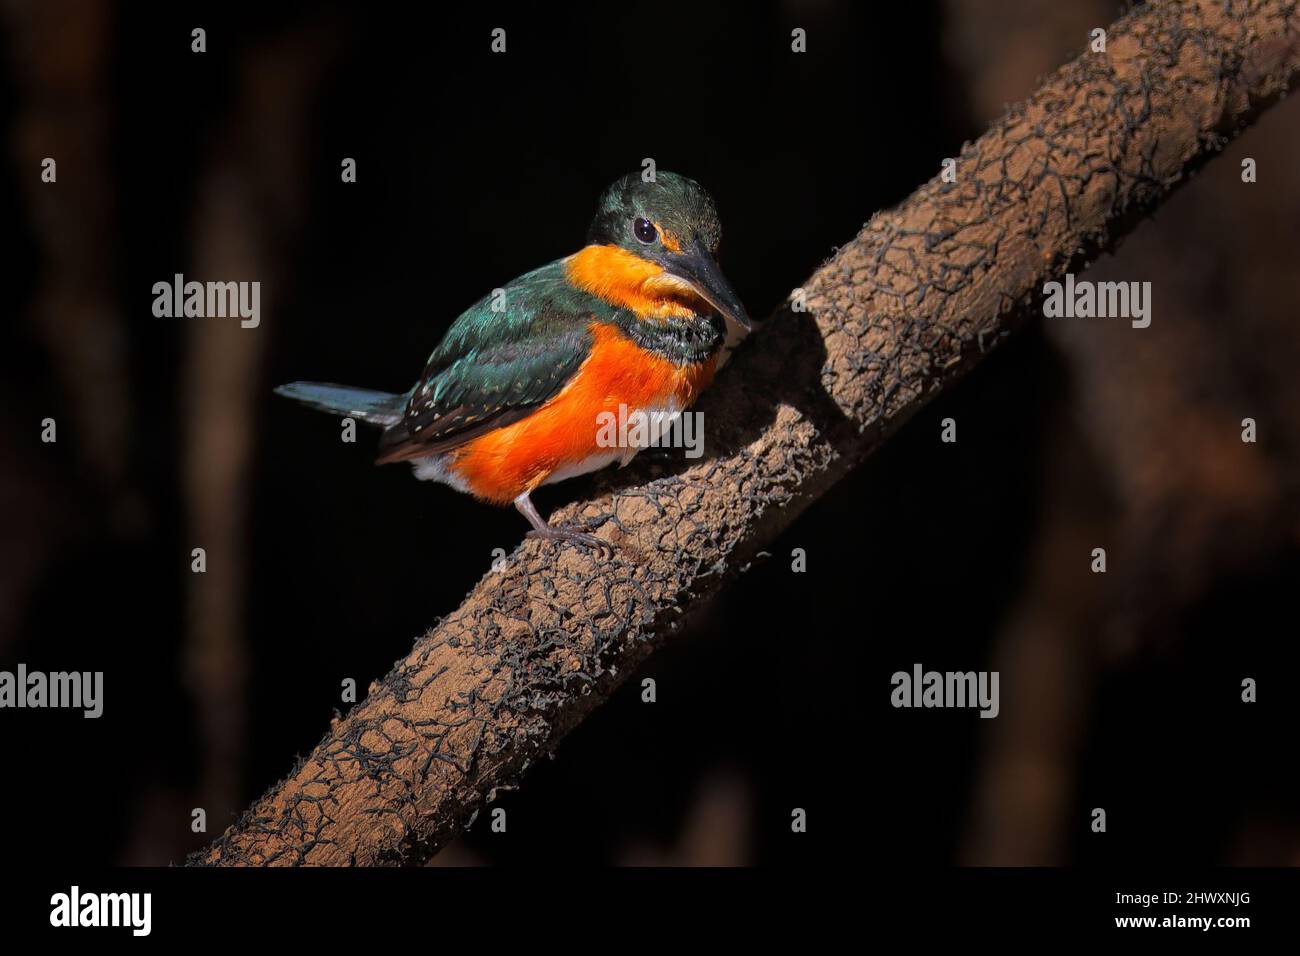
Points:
x=377 y=408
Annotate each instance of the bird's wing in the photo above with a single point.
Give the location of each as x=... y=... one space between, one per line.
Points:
x=495 y=367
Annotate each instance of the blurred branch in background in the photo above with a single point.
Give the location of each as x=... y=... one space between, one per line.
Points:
x=897 y=316
x=250 y=204
x=59 y=57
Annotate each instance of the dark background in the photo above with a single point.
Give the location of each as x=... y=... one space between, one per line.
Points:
x=1119 y=691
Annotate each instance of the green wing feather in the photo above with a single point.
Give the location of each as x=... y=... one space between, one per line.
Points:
x=496 y=366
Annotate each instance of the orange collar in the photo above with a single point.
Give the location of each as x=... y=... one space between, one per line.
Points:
x=625 y=280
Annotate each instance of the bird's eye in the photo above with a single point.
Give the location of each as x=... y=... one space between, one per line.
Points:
x=645 y=230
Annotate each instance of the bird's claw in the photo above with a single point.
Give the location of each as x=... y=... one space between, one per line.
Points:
x=580 y=538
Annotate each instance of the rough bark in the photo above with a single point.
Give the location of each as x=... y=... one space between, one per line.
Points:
x=892 y=319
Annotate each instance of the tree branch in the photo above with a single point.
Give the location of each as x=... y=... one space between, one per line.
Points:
x=894 y=318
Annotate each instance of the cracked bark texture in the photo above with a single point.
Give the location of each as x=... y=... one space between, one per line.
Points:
x=892 y=319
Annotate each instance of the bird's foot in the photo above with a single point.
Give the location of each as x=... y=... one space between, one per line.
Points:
x=580 y=538
x=562 y=533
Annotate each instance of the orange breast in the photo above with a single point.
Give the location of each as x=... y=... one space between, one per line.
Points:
x=503 y=464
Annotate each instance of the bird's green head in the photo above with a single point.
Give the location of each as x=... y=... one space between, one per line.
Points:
x=656 y=242
x=668 y=214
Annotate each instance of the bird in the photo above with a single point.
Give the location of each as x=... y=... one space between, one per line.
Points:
x=512 y=397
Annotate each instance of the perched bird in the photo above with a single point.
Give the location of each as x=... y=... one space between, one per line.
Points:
x=512 y=397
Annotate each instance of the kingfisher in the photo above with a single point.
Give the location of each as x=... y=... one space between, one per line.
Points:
x=514 y=395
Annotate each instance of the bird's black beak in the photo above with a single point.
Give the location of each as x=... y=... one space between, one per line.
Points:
x=695 y=266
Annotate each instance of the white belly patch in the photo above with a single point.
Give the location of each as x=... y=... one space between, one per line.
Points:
x=434 y=468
